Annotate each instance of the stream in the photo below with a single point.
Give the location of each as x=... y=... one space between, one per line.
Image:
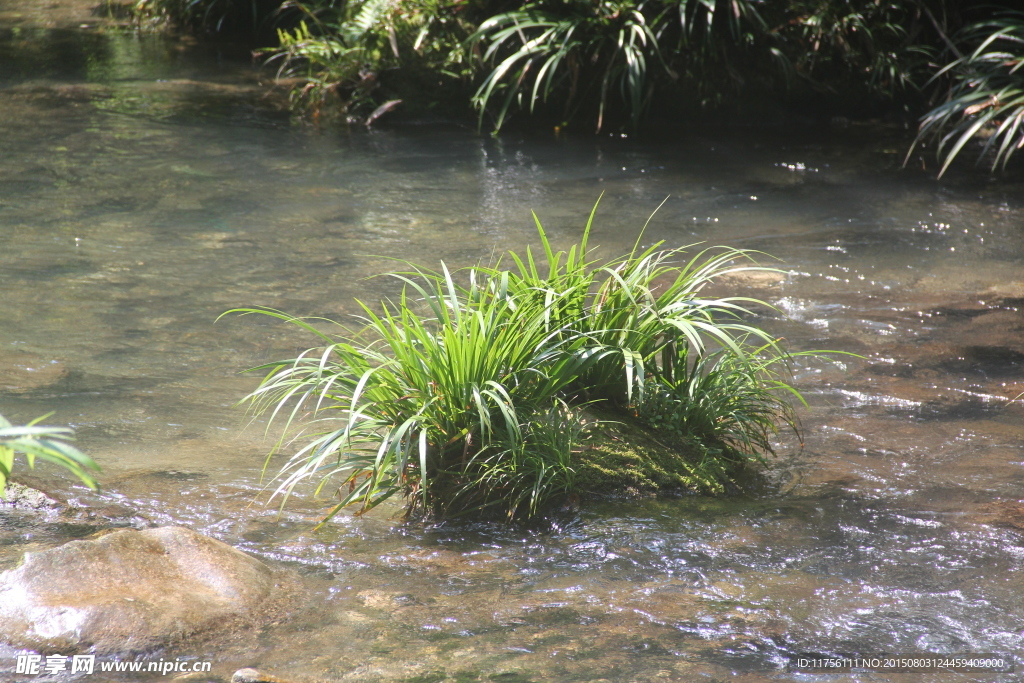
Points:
x=150 y=184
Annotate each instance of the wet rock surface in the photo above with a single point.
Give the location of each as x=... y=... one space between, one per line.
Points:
x=35 y=502
x=27 y=499
x=133 y=591
x=21 y=371
x=249 y=675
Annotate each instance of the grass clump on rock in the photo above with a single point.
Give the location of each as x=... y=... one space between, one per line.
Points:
x=485 y=392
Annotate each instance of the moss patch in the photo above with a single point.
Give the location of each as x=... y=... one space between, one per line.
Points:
x=621 y=455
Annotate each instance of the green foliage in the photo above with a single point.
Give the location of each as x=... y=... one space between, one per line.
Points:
x=342 y=50
x=643 y=306
x=986 y=100
x=324 y=63
x=46 y=443
x=688 y=366
x=582 y=52
x=873 y=46
x=610 y=61
x=732 y=404
x=450 y=406
x=578 y=47
x=466 y=395
x=215 y=16
x=709 y=50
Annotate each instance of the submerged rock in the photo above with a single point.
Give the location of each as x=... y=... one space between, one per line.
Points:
x=132 y=591
x=30 y=496
x=254 y=676
x=27 y=499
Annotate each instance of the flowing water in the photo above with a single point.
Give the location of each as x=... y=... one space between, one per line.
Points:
x=147 y=186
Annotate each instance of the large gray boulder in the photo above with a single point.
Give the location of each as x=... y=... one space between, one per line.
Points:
x=132 y=591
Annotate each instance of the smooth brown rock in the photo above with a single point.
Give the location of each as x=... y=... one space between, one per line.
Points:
x=132 y=591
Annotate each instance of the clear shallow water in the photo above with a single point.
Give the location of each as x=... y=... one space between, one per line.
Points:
x=145 y=195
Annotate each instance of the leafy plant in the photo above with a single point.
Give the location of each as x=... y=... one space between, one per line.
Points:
x=687 y=365
x=610 y=61
x=466 y=395
x=641 y=305
x=878 y=47
x=718 y=49
x=344 y=49
x=215 y=16
x=732 y=405
x=583 y=52
x=986 y=100
x=325 y=63
x=561 y=48
x=447 y=406
x=46 y=443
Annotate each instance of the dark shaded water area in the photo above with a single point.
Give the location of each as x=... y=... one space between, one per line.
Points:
x=147 y=186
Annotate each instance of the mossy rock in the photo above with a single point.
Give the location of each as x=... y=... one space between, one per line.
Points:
x=622 y=455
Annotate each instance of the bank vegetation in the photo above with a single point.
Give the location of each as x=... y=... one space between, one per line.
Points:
x=615 y=65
